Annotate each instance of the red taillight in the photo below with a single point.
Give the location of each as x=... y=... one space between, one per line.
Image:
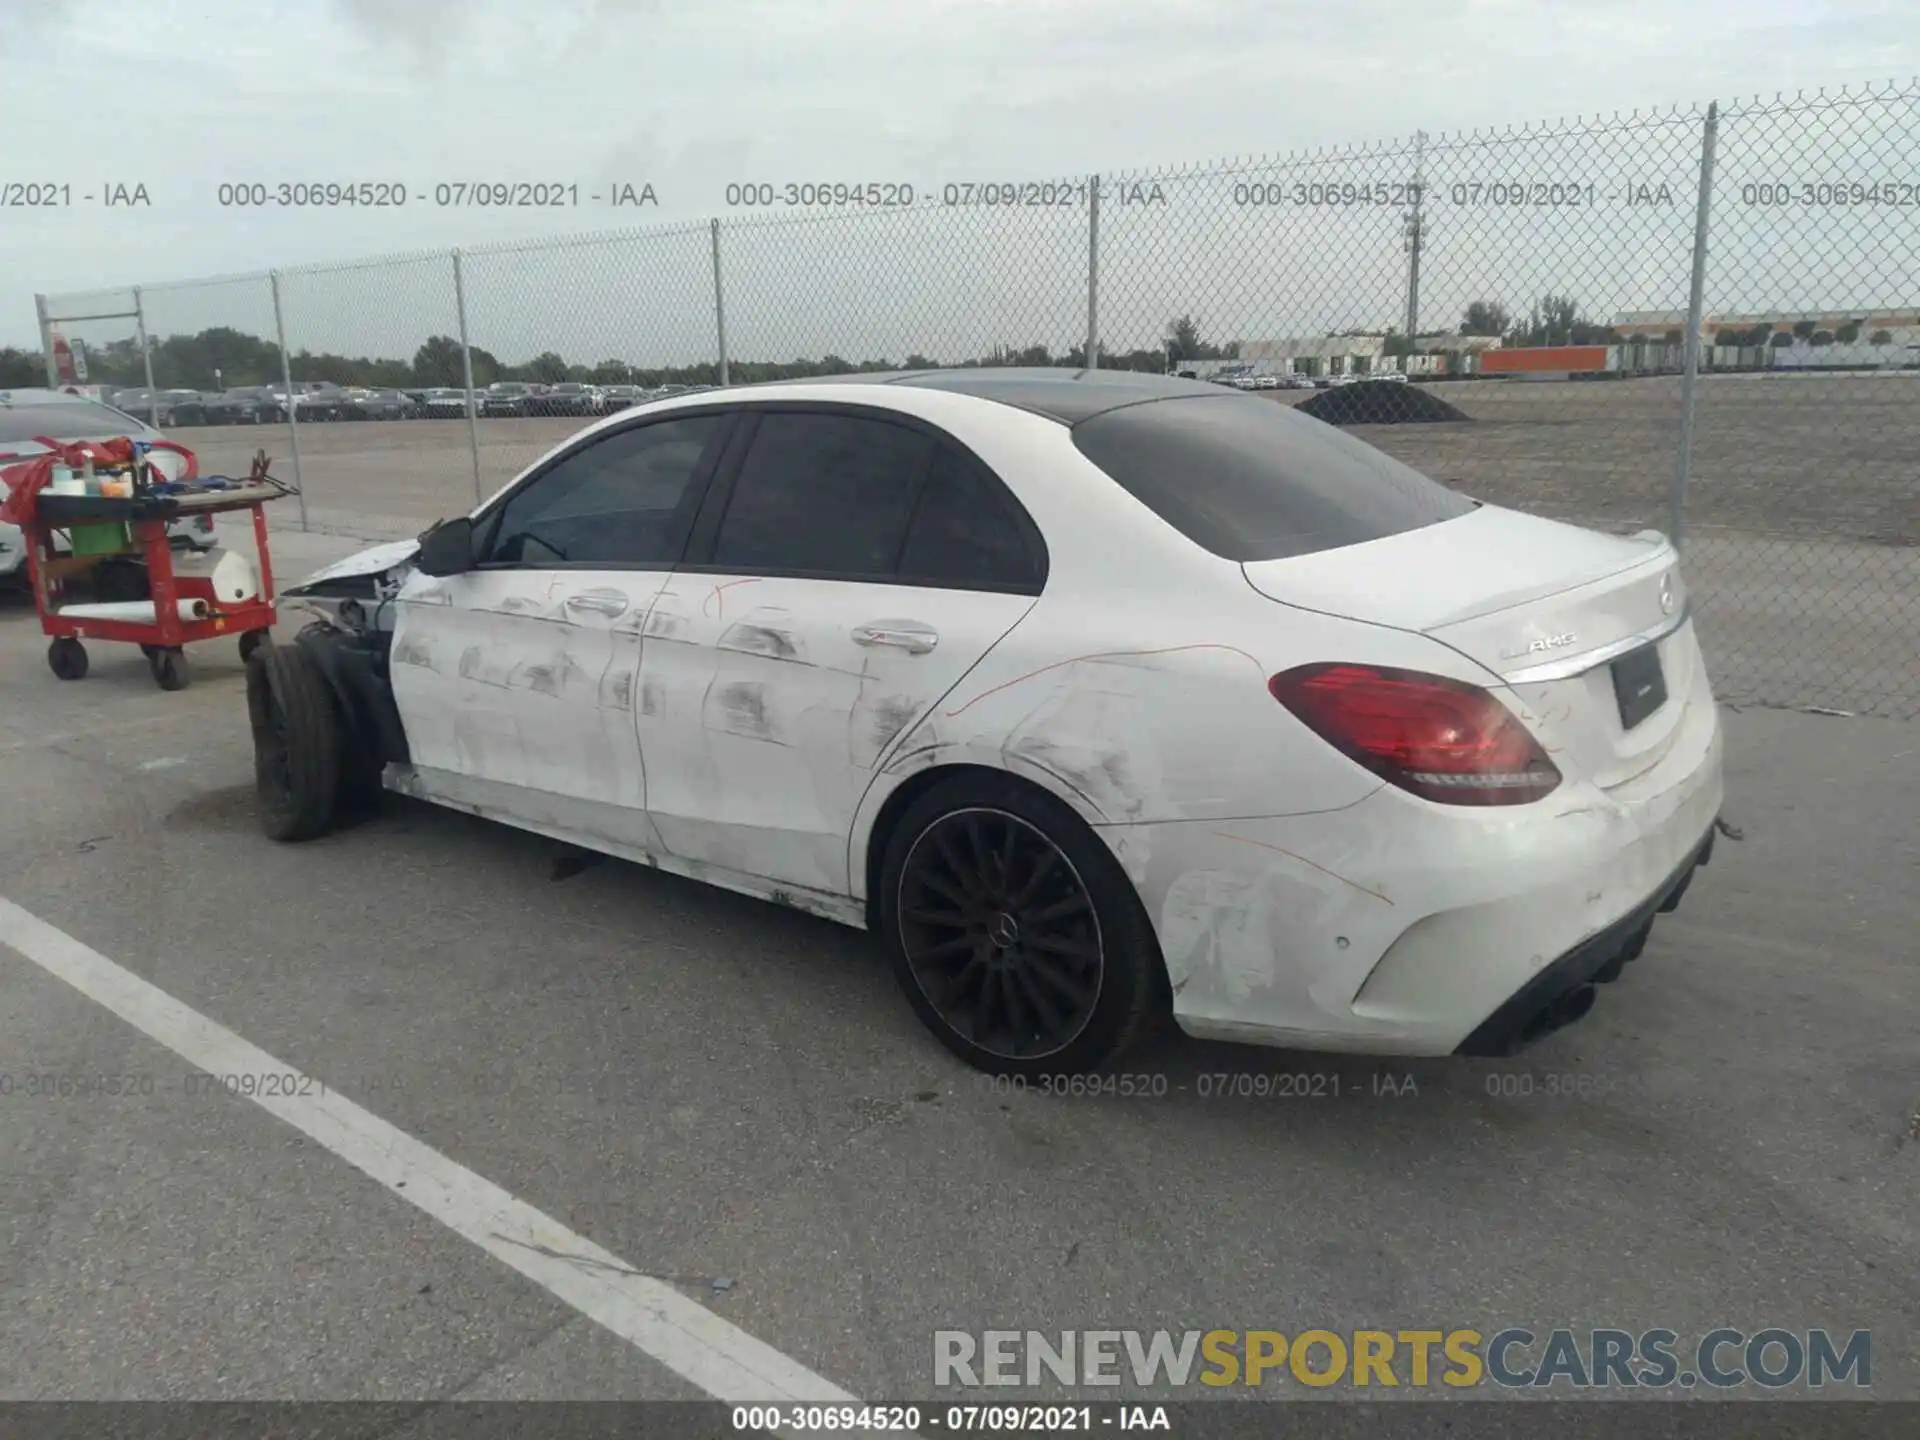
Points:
x=1442 y=739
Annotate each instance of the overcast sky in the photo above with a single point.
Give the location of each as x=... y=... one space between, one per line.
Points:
x=180 y=96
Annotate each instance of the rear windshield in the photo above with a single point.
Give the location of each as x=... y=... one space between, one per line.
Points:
x=63 y=420
x=1251 y=480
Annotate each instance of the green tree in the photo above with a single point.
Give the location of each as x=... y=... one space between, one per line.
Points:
x=1881 y=337
x=1183 y=340
x=1550 y=322
x=486 y=366
x=1805 y=328
x=1822 y=338
x=546 y=368
x=1848 y=333
x=1485 y=317
x=437 y=362
x=191 y=360
x=1184 y=343
x=20 y=369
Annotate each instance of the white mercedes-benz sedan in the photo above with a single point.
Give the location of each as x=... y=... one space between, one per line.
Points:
x=1098 y=696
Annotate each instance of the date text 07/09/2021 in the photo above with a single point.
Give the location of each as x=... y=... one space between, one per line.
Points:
x=35 y=1084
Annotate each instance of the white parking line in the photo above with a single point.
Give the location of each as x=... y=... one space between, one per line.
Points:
x=653 y=1317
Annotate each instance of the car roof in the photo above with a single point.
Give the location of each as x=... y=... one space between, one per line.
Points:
x=1068 y=396
x=40 y=395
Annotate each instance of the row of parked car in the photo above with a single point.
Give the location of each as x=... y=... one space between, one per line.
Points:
x=319 y=400
x=1291 y=381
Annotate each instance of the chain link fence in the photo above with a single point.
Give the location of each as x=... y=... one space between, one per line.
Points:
x=1704 y=320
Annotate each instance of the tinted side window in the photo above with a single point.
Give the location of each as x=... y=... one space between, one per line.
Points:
x=822 y=493
x=624 y=500
x=964 y=532
x=1251 y=480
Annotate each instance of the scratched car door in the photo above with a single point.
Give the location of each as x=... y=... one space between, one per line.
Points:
x=517 y=679
x=821 y=618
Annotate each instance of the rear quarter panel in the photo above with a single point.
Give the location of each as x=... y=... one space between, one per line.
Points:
x=1135 y=690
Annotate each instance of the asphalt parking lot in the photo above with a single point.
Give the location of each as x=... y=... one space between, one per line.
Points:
x=732 y=1103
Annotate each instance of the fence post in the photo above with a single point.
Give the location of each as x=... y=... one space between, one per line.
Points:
x=146 y=350
x=286 y=378
x=46 y=341
x=466 y=369
x=719 y=303
x=1683 y=462
x=1092 y=357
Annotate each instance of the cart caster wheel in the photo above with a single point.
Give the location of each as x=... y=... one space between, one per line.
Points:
x=251 y=641
x=68 y=658
x=169 y=668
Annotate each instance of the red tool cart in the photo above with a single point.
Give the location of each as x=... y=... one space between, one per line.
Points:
x=179 y=608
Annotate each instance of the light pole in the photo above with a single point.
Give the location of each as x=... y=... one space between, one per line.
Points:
x=1413 y=227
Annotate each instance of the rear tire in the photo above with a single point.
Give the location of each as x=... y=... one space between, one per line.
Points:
x=296 y=743
x=1015 y=935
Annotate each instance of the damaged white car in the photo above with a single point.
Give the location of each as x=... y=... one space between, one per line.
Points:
x=1098 y=696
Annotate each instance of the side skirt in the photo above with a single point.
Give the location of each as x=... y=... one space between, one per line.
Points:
x=493 y=801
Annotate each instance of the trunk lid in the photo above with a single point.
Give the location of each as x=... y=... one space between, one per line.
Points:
x=1548 y=607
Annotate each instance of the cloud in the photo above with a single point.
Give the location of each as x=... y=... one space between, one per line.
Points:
x=693 y=97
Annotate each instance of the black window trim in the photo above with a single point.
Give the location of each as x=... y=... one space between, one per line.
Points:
x=697 y=558
x=486 y=522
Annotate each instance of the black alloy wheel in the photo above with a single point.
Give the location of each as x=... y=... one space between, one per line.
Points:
x=1016 y=935
x=1000 y=934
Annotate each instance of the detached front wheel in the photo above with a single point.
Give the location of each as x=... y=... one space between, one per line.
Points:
x=296 y=743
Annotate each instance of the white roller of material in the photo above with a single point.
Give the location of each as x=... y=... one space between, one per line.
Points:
x=234 y=575
x=141 y=610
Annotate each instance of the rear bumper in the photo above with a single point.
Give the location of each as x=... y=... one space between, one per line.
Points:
x=1394 y=926
x=1564 y=991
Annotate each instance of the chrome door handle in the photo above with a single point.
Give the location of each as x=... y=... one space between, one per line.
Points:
x=914 y=639
x=600 y=602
